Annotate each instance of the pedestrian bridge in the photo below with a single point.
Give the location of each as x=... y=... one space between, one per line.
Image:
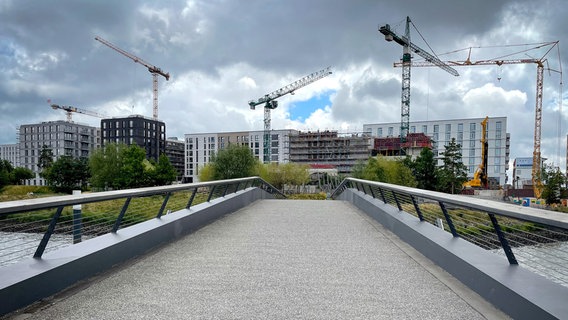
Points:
x=377 y=251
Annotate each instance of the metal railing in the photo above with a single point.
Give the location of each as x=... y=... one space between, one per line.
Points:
x=534 y=238
x=32 y=227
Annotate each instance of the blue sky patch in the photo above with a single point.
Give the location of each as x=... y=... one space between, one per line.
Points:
x=301 y=110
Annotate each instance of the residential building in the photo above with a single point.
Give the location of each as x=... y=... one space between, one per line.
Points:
x=147 y=133
x=467 y=133
x=200 y=147
x=10 y=152
x=62 y=137
x=175 y=153
x=328 y=147
x=522 y=173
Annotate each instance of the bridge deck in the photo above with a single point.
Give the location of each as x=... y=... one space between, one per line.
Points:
x=276 y=259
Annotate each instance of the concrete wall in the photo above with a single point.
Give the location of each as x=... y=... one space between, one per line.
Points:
x=516 y=291
x=30 y=280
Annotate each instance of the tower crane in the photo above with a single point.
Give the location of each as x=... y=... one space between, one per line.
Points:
x=69 y=110
x=536 y=165
x=269 y=101
x=155 y=71
x=407 y=48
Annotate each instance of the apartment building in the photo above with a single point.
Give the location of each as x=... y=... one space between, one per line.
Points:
x=200 y=147
x=62 y=137
x=467 y=133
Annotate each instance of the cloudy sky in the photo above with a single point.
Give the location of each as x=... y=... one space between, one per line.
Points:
x=221 y=54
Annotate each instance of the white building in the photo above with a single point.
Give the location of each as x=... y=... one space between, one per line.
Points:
x=199 y=147
x=10 y=152
x=62 y=137
x=467 y=133
x=522 y=173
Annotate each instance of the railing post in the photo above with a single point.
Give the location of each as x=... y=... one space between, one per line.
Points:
x=225 y=191
x=357 y=186
x=503 y=240
x=382 y=195
x=396 y=200
x=372 y=192
x=417 y=208
x=237 y=188
x=164 y=205
x=191 y=198
x=43 y=243
x=448 y=219
x=77 y=221
x=211 y=193
x=121 y=215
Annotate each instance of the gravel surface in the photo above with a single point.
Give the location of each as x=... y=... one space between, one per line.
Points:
x=275 y=259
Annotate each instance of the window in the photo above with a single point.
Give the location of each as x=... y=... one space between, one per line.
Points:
x=413 y=129
x=379 y=132
x=448 y=128
x=390 y=131
x=424 y=129
x=436 y=128
x=472 y=126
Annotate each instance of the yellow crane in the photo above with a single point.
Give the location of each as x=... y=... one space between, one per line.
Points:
x=537 y=160
x=480 y=179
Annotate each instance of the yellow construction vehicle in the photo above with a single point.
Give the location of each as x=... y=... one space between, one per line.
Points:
x=480 y=180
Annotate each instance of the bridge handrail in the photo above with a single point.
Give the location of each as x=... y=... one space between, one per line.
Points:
x=552 y=218
x=535 y=238
x=13 y=212
x=9 y=207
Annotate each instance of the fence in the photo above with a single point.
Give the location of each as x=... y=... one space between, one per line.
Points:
x=534 y=238
x=35 y=226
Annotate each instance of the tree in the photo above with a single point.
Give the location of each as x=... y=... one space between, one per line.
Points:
x=45 y=160
x=67 y=174
x=425 y=170
x=278 y=175
x=105 y=164
x=554 y=181
x=20 y=174
x=389 y=171
x=6 y=169
x=132 y=169
x=164 y=173
x=207 y=172
x=453 y=172
x=233 y=162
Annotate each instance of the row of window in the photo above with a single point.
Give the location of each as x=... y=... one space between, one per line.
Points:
x=448 y=129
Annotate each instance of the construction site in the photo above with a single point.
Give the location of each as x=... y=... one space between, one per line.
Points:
x=342 y=151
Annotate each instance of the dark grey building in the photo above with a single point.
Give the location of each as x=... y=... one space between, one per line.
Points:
x=147 y=133
x=175 y=153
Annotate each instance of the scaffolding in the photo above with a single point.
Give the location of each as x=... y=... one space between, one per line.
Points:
x=331 y=148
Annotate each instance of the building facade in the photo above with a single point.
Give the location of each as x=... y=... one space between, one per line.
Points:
x=467 y=133
x=328 y=147
x=11 y=153
x=175 y=153
x=522 y=173
x=147 y=133
x=62 y=137
x=200 y=147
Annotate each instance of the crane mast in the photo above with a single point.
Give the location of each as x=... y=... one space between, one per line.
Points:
x=70 y=109
x=269 y=101
x=407 y=48
x=155 y=71
x=537 y=159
